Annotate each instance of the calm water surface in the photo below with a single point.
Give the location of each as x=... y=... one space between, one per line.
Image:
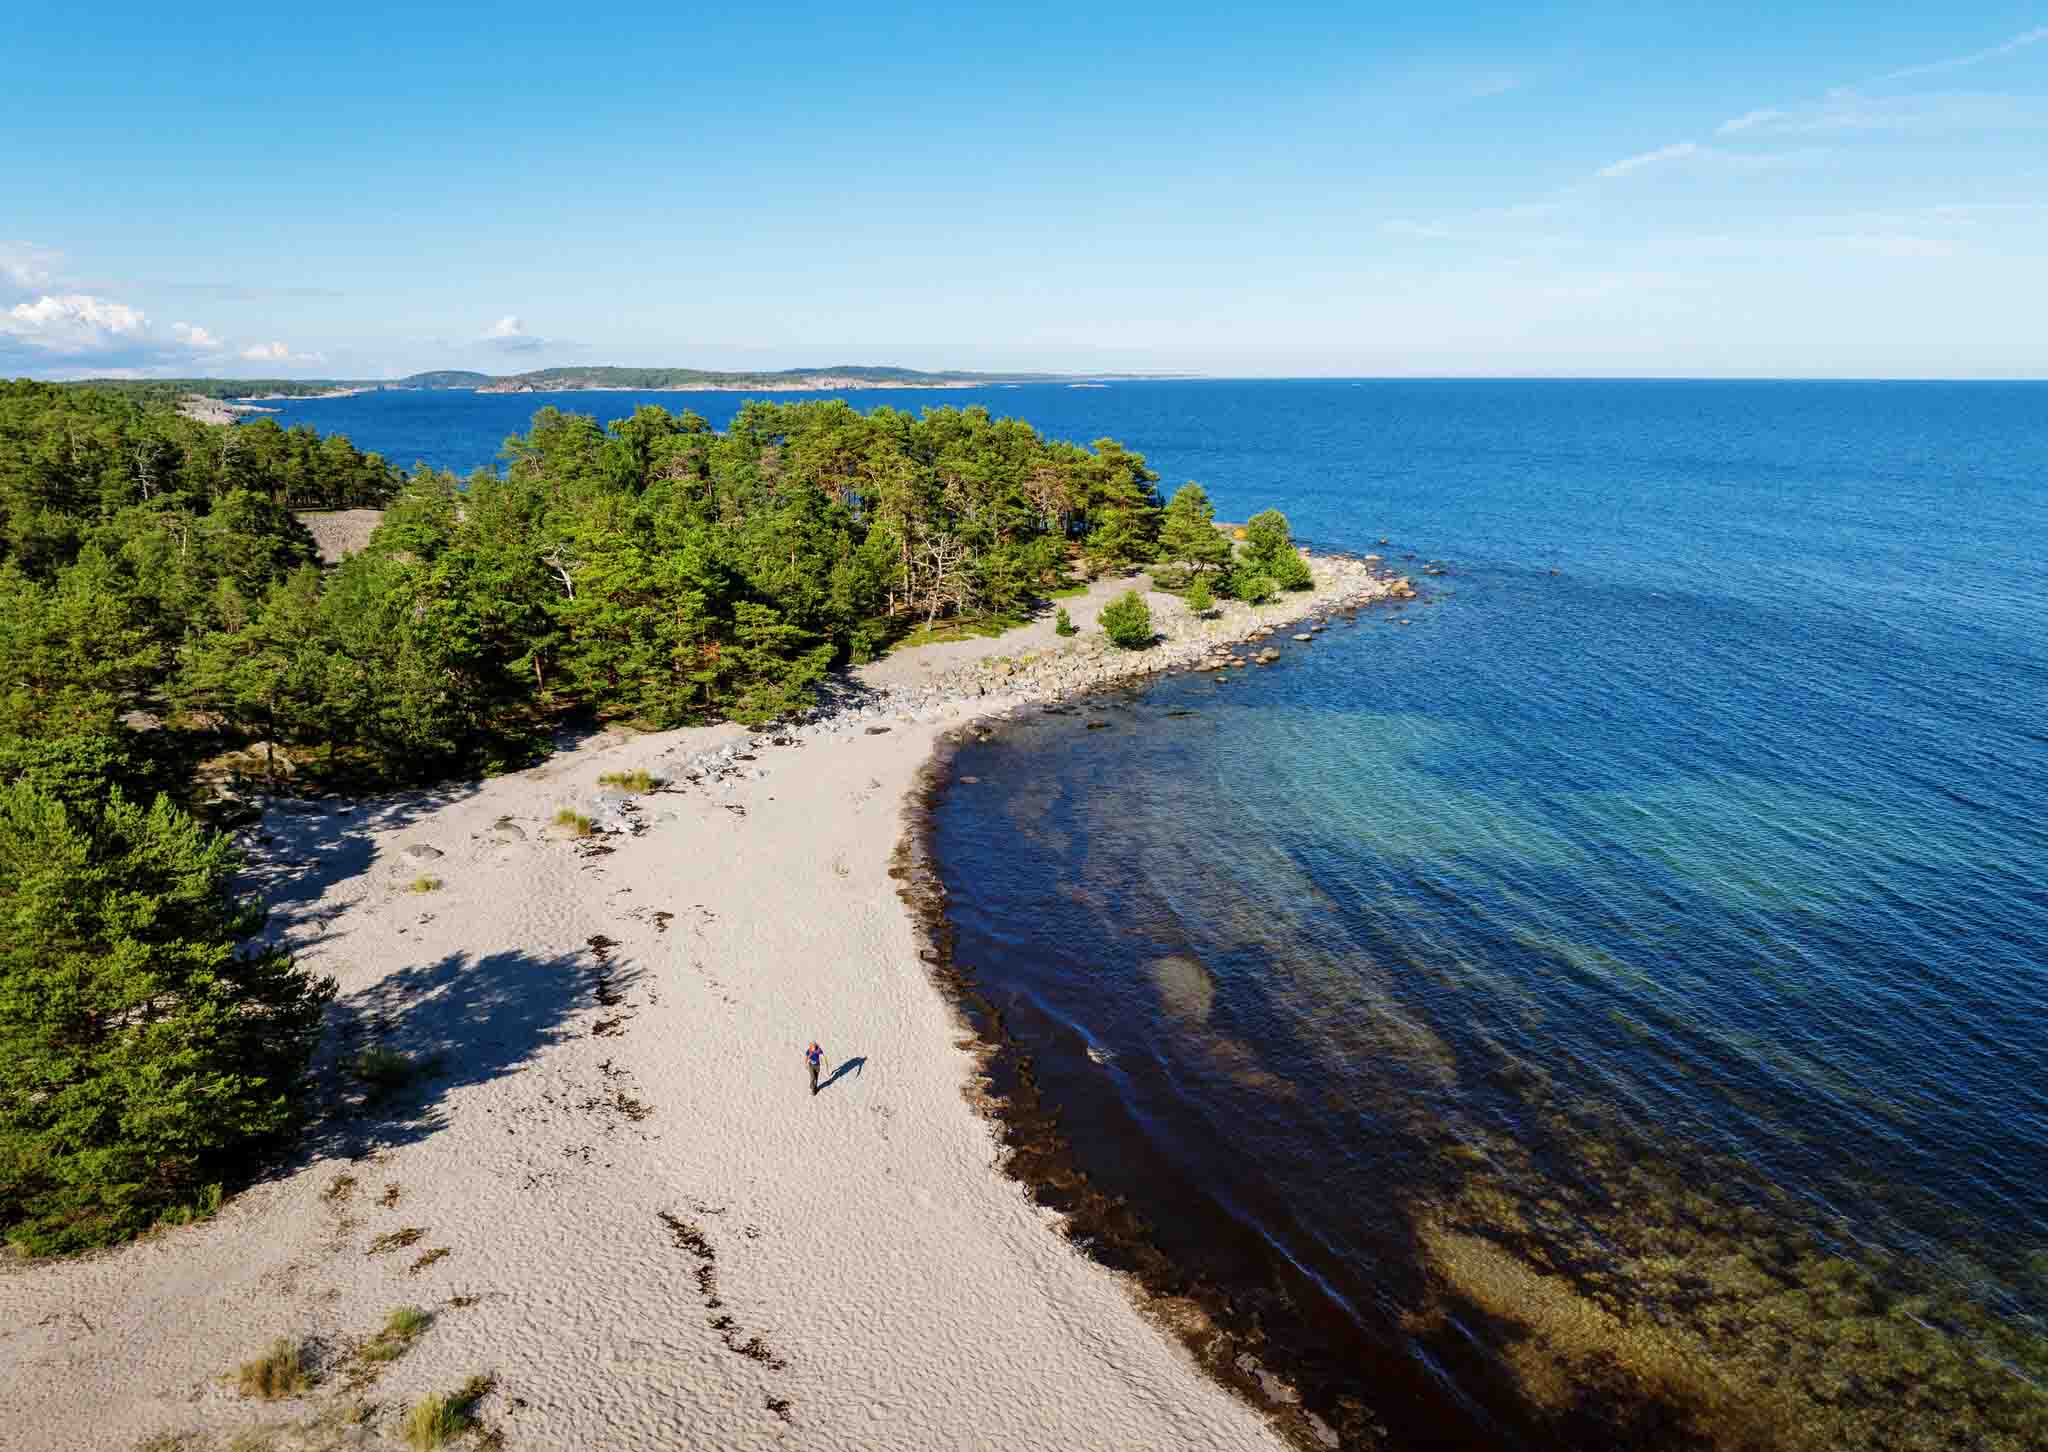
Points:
x=1618 y=982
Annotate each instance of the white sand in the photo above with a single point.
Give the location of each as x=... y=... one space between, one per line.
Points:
x=906 y=1292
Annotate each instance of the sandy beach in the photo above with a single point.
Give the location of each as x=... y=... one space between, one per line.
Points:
x=610 y=1184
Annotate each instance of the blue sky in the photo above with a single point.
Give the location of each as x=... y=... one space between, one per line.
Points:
x=1779 y=189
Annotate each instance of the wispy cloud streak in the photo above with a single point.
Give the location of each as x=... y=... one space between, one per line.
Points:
x=1955 y=63
x=1627 y=164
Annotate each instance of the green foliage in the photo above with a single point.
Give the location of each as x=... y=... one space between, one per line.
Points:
x=1291 y=572
x=1269 y=550
x=403 y=1327
x=1199 y=597
x=637 y=780
x=1119 y=496
x=141 y=1049
x=1127 y=621
x=1188 y=533
x=1267 y=536
x=1252 y=585
x=425 y=882
x=1063 y=623
x=434 y=1421
x=578 y=824
x=385 y=1071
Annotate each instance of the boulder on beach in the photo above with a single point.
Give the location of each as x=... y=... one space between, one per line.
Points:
x=419 y=854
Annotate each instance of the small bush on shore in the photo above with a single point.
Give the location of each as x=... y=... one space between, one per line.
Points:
x=434 y=1421
x=1253 y=586
x=385 y=1071
x=1063 y=623
x=1199 y=598
x=1290 y=570
x=636 y=780
x=279 y=1372
x=425 y=882
x=578 y=824
x=1127 y=621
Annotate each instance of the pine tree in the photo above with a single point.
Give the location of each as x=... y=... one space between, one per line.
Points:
x=1188 y=532
x=142 y=1047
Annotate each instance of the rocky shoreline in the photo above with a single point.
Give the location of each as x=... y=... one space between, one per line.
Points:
x=997 y=684
x=201 y=409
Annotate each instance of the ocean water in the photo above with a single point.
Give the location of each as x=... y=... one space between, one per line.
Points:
x=1602 y=1004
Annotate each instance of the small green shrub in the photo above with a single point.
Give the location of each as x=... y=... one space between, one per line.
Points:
x=424 y=883
x=636 y=780
x=385 y=1071
x=279 y=1372
x=1199 y=599
x=1252 y=586
x=1267 y=538
x=578 y=824
x=434 y=1421
x=1290 y=571
x=401 y=1329
x=1063 y=623
x=1127 y=621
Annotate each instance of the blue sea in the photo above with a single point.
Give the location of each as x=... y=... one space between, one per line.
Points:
x=1600 y=1003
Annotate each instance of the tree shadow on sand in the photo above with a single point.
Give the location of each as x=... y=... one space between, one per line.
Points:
x=459 y=1021
x=307 y=847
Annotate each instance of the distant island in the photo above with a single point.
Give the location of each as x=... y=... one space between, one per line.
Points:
x=836 y=379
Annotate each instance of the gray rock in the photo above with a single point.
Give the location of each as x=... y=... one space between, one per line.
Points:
x=420 y=854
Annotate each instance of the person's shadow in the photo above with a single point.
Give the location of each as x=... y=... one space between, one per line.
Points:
x=851 y=1066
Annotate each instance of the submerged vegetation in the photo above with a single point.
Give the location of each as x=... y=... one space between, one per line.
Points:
x=1645 y=1278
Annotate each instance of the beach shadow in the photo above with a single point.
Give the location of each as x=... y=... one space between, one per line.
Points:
x=307 y=846
x=851 y=1066
x=460 y=1020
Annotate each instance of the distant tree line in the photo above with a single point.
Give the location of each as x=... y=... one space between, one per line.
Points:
x=171 y=390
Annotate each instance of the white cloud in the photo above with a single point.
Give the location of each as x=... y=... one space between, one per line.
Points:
x=1955 y=63
x=26 y=266
x=193 y=336
x=1748 y=121
x=279 y=353
x=1627 y=164
x=74 y=323
x=1846 y=111
x=509 y=335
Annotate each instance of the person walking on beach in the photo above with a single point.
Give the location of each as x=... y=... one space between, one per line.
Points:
x=814 y=1056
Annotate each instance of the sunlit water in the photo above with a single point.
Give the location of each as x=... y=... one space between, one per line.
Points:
x=1620 y=979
